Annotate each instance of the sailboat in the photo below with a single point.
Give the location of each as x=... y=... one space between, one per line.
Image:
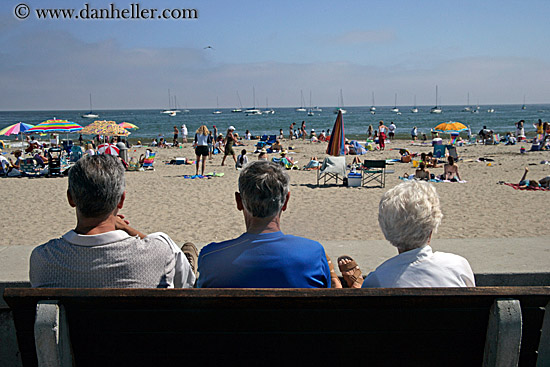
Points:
x=169 y=111
x=523 y=107
x=268 y=111
x=340 y=107
x=395 y=109
x=310 y=111
x=372 y=108
x=253 y=110
x=240 y=109
x=217 y=111
x=90 y=115
x=414 y=109
x=302 y=108
x=467 y=108
x=436 y=108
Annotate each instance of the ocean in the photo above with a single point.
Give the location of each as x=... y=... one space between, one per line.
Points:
x=356 y=121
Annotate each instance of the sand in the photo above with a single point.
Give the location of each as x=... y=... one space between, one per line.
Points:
x=203 y=210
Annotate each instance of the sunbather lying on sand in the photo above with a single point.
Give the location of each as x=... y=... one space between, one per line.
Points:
x=524 y=183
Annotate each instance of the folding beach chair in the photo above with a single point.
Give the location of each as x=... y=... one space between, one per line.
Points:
x=29 y=168
x=271 y=139
x=439 y=151
x=374 y=170
x=54 y=162
x=76 y=153
x=452 y=152
x=149 y=161
x=331 y=168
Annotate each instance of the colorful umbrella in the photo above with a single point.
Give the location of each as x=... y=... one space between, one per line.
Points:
x=336 y=144
x=55 y=126
x=451 y=126
x=106 y=128
x=108 y=149
x=127 y=125
x=14 y=129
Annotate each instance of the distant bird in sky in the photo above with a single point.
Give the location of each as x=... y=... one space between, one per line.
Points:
x=208 y=47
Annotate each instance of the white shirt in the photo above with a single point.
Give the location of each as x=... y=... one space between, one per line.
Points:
x=422 y=268
x=110 y=260
x=184 y=130
x=392 y=128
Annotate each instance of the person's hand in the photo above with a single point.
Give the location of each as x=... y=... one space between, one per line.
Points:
x=121 y=222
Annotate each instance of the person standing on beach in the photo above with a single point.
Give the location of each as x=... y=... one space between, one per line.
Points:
x=520 y=132
x=229 y=142
x=303 y=131
x=176 y=133
x=184 y=133
x=391 y=131
x=369 y=132
x=414 y=133
x=263 y=257
x=382 y=135
x=291 y=131
x=201 y=147
x=103 y=251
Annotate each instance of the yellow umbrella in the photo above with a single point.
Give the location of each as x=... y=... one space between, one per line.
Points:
x=450 y=127
x=108 y=128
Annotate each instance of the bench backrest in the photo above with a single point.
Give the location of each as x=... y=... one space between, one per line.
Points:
x=445 y=326
x=374 y=163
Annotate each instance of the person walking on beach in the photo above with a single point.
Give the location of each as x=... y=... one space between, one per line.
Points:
x=201 y=147
x=184 y=133
x=229 y=142
x=263 y=257
x=414 y=133
x=382 y=129
x=103 y=251
x=176 y=133
x=210 y=145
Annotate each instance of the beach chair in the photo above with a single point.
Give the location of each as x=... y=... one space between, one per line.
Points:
x=54 y=162
x=271 y=139
x=331 y=168
x=439 y=151
x=452 y=152
x=263 y=137
x=29 y=168
x=149 y=161
x=67 y=145
x=374 y=170
x=76 y=153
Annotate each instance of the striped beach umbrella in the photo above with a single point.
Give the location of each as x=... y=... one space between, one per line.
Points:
x=105 y=128
x=127 y=125
x=108 y=149
x=15 y=129
x=55 y=126
x=336 y=144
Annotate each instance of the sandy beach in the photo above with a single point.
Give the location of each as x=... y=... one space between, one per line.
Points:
x=203 y=210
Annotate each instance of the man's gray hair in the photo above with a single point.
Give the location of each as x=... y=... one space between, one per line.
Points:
x=263 y=186
x=409 y=213
x=96 y=184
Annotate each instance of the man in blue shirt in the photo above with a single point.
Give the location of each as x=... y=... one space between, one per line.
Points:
x=263 y=257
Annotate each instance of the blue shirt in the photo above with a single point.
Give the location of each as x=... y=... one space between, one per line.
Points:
x=267 y=260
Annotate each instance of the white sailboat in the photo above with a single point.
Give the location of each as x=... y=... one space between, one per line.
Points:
x=253 y=110
x=436 y=108
x=395 y=109
x=268 y=111
x=310 y=111
x=169 y=111
x=523 y=107
x=240 y=108
x=340 y=107
x=217 y=111
x=414 y=109
x=467 y=108
x=372 y=108
x=302 y=103
x=90 y=115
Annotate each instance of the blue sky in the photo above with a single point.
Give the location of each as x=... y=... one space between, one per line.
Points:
x=497 y=51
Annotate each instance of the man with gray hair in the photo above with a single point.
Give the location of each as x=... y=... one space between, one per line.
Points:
x=103 y=251
x=263 y=257
x=408 y=215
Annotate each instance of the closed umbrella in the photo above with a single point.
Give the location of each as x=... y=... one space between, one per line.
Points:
x=336 y=144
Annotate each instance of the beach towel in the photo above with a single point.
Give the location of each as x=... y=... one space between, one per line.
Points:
x=528 y=188
x=359 y=150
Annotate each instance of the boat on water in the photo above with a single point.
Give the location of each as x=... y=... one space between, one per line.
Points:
x=268 y=111
x=372 y=107
x=302 y=103
x=414 y=109
x=467 y=108
x=436 y=108
x=310 y=111
x=91 y=114
x=170 y=111
x=240 y=108
x=491 y=110
x=340 y=107
x=217 y=111
x=395 y=109
x=253 y=111
x=317 y=109
x=523 y=107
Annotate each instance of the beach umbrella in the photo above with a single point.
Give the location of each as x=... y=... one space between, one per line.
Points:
x=15 y=129
x=108 y=149
x=337 y=140
x=55 y=126
x=450 y=127
x=127 y=125
x=105 y=128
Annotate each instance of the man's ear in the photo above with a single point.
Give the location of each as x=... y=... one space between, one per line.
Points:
x=121 y=202
x=239 y=201
x=70 y=199
x=286 y=201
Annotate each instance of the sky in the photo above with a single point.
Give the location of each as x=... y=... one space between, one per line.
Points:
x=497 y=52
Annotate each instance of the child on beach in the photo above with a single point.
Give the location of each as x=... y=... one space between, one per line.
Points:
x=242 y=159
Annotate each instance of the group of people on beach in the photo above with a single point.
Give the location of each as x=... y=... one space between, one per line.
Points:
x=103 y=250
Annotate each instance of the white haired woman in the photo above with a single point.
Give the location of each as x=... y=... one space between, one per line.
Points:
x=408 y=215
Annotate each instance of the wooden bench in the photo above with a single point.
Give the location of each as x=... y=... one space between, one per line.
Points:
x=491 y=326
